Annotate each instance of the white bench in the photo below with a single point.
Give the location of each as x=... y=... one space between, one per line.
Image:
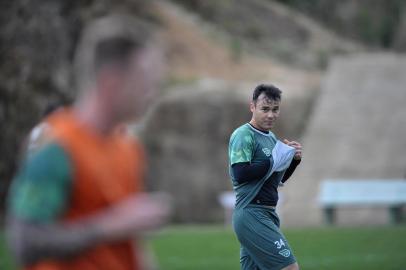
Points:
x=380 y=192
x=227 y=201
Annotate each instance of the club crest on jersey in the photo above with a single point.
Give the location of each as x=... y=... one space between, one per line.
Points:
x=285 y=252
x=266 y=151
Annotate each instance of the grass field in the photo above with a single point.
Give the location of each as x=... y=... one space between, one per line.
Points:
x=214 y=247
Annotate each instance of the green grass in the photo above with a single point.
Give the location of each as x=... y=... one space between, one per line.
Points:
x=5 y=259
x=317 y=248
x=197 y=248
x=350 y=248
x=214 y=247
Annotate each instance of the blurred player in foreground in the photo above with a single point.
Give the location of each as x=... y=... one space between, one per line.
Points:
x=259 y=163
x=77 y=202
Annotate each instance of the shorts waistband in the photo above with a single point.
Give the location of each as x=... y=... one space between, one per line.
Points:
x=262 y=203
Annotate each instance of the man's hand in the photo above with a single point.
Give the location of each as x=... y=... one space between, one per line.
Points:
x=138 y=214
x=34 y=241
x=297 y=146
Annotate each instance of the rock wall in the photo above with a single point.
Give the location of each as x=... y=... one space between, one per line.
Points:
x=186 y=137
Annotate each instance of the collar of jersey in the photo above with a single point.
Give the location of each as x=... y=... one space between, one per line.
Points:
x=260 y=132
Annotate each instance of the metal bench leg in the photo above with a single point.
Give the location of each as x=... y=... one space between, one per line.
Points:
x=395 y=214
x=329 y=215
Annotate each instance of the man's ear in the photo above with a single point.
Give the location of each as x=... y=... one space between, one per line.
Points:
x=252 y=106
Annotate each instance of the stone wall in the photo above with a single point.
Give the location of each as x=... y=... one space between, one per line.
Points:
x=186 y=137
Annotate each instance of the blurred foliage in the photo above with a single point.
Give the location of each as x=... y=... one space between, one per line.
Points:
x=374 y=22
x=37 y=44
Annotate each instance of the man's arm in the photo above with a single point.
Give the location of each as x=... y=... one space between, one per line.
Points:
x=241 y=151
x=291 y=169
x=246 y=171
x=32 y=241
x=38 y=198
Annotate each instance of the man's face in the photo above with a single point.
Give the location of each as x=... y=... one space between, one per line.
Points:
x=264 y=112
x=140 y=83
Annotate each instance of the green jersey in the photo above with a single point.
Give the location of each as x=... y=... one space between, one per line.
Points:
x=248 y=144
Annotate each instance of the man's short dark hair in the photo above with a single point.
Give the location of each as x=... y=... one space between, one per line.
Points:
x=270 y=91
x=114 y=50
x=108 y=40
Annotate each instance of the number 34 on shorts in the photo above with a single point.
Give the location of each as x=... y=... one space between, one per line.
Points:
x=279 y=245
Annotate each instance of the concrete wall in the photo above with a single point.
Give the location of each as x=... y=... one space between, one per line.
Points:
x=358 y=130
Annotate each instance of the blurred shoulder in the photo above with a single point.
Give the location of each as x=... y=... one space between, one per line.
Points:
x=39 y=136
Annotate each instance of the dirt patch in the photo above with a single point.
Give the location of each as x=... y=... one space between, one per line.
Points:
x=195 y=50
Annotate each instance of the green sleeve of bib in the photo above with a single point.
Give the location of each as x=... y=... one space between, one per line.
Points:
x=41 y=189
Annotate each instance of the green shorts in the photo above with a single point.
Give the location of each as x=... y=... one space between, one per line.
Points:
x=263 y=246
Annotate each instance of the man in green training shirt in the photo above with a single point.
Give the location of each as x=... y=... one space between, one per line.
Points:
x=259 y=163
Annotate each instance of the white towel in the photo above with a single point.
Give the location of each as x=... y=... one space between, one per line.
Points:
x=282 y=155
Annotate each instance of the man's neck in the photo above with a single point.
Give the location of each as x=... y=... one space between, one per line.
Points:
x=96 y=116
x=254 y=125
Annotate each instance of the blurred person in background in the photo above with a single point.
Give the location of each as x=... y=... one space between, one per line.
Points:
x=259 y=163
x=77 y=202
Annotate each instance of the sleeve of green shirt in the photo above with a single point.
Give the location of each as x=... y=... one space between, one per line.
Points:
x=241 y=148
x=41 y=189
